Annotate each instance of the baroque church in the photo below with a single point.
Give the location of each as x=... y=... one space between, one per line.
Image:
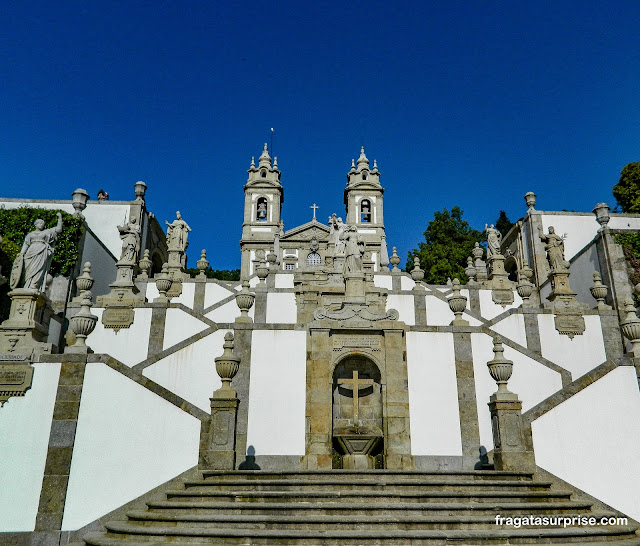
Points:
x=327 y=397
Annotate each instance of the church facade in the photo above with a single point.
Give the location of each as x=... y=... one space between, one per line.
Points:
x=326 y=356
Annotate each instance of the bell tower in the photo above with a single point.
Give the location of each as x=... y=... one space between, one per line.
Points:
x=363 y=202
x=263 y=198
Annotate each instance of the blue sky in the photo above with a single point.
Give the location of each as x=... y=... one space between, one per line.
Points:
x=462 y=103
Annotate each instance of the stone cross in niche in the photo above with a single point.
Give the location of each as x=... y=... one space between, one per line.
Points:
x=315 y=208
x=355 y=384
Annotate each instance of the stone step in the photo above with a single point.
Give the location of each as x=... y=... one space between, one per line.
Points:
x=363 y=484
x=388 y=475
x=368 y=496
x=320 y=522
x=330 y=509
x=230 y=535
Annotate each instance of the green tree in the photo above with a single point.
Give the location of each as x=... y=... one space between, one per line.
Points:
x=220 y=274
x=448 y=241
x=627 y=190
x=503 y=224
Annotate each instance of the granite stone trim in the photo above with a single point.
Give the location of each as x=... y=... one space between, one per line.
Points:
x=611 y=335
x=150 y=385
x=474 y=299
x=467 y=406
x=53 y=494
x=260 y=312
x=438 y=463
x=532 y=332
x=220 y=303
x=198 y=295
x=195 y=314
x=570 y=390
x=420 y=308
x=565 y=374
x=173 y=349
x=243 y=334
x=156 y=330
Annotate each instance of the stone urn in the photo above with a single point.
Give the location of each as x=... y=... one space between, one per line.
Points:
x=395 y=259
x=271 y=259
x=601 y=210
x=599 y=291
x=262 y=270
x=457 y=303
x=85 y=281
x=526 y=270
x=145 y=265
x=202 y=264
x=524 y=287
x=227 y=366
x=244 y=301
x=530 y=199
x=163 y=283
x=417 y=274
x=82 y=324
x=470 y=270
x=477 y=252
x=631 y=327
x=500 y=368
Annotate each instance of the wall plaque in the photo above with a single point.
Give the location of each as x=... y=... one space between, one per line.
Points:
x=15 y=379
x=356 y=341
x=117 y=318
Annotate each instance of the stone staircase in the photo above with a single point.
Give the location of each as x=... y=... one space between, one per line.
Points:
x=366 y=507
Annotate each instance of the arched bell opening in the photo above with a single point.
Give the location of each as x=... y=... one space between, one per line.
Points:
x=511 y=267
x=357 y=415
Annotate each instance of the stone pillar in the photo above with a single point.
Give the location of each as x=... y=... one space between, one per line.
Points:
x=218 y=433
x=510 y=449
x=61 y=444
x=318 y=453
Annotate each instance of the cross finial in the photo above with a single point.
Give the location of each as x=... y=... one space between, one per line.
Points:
x=315 y=208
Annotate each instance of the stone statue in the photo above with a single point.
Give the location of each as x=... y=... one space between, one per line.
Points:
x=337 y=229
x=32 y=263
x=354 y=249
x=130 y=235
x=177 y=233
x=494 y=239
x=554 y=246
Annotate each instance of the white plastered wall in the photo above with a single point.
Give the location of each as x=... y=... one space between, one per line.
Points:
x=578 y=355
x=580 y=230
x=179 y=326
x=433 y=394
x=277 y=392
x=512 y=327
x=284 y=280
x=489 y=309
x=405 y=307
x=128 y=441
x=282 y=308
x=592 y=440
x=383 y=281
x=406 y=283
x=215 y=293
x=25 y=424
x=129 y=345
x=531 y=381
x=191 y=371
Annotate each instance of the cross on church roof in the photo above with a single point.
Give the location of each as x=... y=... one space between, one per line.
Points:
x=314 y=207
x=356 y=385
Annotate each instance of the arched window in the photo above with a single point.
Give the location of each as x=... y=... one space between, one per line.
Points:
x=263 y=173
x=261 y=209
x=313 y=258
x=364 y=175
x=365 y=211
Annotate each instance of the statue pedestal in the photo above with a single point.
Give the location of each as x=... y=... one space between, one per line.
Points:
x=176 y=272
x=27 y=325
x=124 y=292
x=568 y=311
x=501 y=286
x=218 y=435
x=354 y=288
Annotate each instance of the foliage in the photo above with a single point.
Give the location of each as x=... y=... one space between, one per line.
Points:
x=630 y=243
x=503 y=224
x=16 y=223
x=220 y=274
x=448 y=241
x=627 y=190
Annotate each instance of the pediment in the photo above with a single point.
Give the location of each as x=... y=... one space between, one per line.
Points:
x=305 y=232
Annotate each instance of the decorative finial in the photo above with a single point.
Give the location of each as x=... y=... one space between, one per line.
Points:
x=264 y=159
x=530 y=199
x=227 y=366
x=275 y=162
x=253 y=162
x=375 y=166
x=244 y=301
x=500 y=368
x=457 y=304
x=363 y=162
x=314 y=207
